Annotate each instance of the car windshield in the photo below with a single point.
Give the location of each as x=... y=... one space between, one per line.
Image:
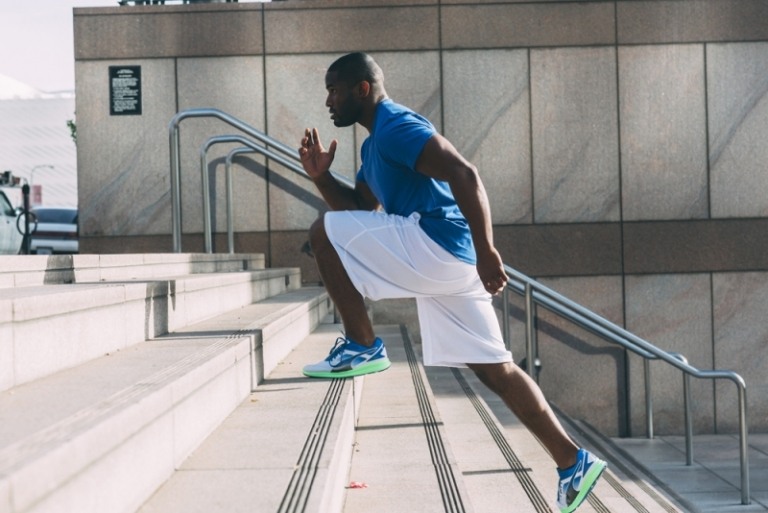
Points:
x=5 y=206
x=56 y=215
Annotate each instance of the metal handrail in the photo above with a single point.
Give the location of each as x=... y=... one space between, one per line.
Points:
x=534 y=292
x=231 y=195
x=207 y=229
x=537 y=294
x=269 y=144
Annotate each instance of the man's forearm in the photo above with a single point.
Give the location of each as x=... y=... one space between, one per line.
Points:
x=336 y=195
x=473 y=202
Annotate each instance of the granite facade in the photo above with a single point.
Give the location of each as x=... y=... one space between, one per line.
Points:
x=673 y=311
x=575 y=135
x=489 y=124
x=737 y=128
x=621 y=144
x=663 y=132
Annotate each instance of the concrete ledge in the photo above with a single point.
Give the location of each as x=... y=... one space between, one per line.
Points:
x=53 y=327
x=274 y=324
x=31 y=270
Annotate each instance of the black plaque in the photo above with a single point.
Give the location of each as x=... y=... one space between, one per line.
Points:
x=125 y=90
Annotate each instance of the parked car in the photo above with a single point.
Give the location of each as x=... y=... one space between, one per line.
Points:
x=10 y=236
x=54 y=230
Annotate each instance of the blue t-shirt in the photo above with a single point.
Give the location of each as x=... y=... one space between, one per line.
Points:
x=389 y=156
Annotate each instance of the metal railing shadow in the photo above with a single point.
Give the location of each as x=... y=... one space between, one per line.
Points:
x=535 y=294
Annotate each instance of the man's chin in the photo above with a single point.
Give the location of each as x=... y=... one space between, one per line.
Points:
x=341 y=123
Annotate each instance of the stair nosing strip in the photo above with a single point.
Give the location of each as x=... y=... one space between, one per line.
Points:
x=297 y=492
x=520 y=472
x=449 y=489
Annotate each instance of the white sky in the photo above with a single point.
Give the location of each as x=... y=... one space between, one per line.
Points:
x=36 y=41
x=36 y=45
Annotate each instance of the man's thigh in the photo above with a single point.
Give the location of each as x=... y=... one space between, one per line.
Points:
x=388 y=256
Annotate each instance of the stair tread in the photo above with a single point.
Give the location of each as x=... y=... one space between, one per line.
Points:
x=27 y=407
x=93 y=387
x=615 y=491
x=401 y=452
x=276 y=308
x=247 y=463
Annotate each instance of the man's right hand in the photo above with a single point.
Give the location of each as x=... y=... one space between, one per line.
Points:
x=314 y=158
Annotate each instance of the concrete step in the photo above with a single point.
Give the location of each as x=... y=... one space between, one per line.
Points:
x=47 y=328
x=32 y=270
x=102 y=436
x=426 y=441
x=285 y=448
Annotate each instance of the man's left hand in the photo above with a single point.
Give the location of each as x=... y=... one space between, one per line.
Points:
x=490 y=268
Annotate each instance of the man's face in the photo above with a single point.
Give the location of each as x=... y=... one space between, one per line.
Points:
x=342 y=101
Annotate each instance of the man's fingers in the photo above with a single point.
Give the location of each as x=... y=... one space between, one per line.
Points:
x=309 y=137
x=495 y=284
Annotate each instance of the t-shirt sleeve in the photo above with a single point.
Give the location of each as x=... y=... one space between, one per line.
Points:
x=360 y=176
x=404 y=141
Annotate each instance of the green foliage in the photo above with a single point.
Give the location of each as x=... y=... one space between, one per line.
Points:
x=72 y=130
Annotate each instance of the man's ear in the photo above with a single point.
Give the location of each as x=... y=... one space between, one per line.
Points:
x=364 y=88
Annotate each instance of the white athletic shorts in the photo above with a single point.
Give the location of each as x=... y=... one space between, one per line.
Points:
x=389 y=256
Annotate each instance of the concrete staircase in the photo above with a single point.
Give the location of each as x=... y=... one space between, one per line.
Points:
x=172 y=383
x=115 y=368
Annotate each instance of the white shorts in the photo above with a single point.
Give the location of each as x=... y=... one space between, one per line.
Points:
x=388 y=256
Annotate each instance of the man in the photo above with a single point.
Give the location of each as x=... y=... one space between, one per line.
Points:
x=417 y=224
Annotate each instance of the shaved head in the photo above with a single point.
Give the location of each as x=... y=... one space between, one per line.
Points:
x=356 y=67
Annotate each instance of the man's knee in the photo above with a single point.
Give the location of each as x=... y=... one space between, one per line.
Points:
x=317 y=236
x=495 y=376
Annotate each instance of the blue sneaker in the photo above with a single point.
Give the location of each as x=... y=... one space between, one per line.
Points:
x=576 y=482
x=348 y=358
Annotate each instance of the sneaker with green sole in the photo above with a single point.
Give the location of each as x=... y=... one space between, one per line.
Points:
x=576 y=482
x=348 y=358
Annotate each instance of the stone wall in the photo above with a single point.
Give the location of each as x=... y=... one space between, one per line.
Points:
x=621 y=143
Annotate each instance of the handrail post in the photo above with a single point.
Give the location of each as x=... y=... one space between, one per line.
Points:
x=530 y=331
x=688 y=419
x=648 y=399
x=251 y=146
x=230 y=209
x=743 y=445
x=175 y=188
x=207 y=230
x=505 y=317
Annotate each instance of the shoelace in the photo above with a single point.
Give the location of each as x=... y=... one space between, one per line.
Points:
x=338 y=345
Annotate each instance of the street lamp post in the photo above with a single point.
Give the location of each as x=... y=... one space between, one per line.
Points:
x=32 y=173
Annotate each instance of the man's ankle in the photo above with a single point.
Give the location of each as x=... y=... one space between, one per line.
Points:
x=362 y=341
